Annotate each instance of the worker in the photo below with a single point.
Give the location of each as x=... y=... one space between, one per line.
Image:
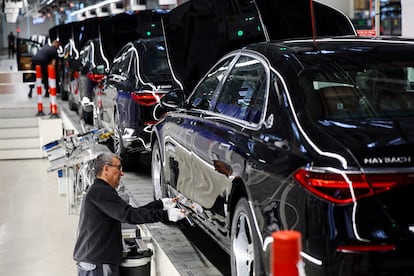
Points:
x=98 y=248
x=47 y=55
x=12 y=44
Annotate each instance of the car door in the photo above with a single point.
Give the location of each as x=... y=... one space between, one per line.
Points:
x=178 y=144
x=222 y=137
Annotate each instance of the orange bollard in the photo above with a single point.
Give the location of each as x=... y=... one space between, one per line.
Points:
x=39 y=91
x=286 y=253
x=52 y=91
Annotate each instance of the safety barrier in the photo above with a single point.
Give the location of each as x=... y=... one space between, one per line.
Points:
x=286 y=259
x=39 y=91
x=52 y=91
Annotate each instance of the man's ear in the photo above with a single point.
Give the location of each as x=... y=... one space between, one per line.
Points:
x=105 y=169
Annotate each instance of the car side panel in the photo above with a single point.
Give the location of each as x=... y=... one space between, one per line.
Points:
x=178 y=153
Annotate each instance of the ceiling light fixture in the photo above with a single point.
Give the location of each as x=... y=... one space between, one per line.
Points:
x=94 y=6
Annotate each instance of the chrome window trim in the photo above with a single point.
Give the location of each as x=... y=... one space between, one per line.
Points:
x=236 y=56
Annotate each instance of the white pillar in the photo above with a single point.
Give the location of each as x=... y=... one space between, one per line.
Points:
x=344 y=6
x=407 y=20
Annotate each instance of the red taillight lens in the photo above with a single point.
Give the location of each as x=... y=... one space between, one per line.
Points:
x=359 y=248
x=345 y=188
x=150 y=123
x=95 y=77
x=146 y=98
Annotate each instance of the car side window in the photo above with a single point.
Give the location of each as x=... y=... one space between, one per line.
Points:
x=201 y=99
x=116 y=66
x=121 y=64
x=84 y=55
x=242 y=95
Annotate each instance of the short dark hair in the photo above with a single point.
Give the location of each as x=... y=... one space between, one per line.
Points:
x=104 y=159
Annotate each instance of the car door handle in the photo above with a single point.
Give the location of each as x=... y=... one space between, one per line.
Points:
x=224 y=146
x=189 y=132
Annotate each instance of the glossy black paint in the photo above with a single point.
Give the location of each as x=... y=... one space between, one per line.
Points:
x=93 y=66
x=72 y=37
x=199 y=32
x=212 y=160
x=119 y=29
x=140 y=68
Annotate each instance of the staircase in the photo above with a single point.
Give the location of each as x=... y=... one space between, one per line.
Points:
x=19 y=125
x=19 y=136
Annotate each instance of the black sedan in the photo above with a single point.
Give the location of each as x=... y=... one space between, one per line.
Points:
x=127 y=101
x=93 y=66
x=310 y=135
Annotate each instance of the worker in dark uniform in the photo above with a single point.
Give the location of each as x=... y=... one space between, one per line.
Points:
x=47 y=55
x=98 y=248
x=12 y=44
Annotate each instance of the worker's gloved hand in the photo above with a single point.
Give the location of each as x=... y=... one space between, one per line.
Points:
x=196 y=208
x=168 y=203
x=175 y=214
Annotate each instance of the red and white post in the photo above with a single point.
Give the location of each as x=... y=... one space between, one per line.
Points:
x=39 y=91
x=52 y=91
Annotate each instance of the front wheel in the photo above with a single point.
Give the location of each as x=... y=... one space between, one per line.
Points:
x=72 y=104
x=64 y=94
x=118 y=144
x=87 y=116
x=157 y=175
x=245 y=256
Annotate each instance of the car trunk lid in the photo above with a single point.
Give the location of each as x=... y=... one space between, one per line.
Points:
x=199 y=32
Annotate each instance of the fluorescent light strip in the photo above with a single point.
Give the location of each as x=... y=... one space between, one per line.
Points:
x=92 y=7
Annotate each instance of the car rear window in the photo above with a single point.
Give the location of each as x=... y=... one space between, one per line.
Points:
x=333 y=91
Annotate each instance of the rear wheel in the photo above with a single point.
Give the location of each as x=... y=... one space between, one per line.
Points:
x=245 y=256
x=157 y=173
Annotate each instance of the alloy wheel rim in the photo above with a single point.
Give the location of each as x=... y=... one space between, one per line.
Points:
x=243 y=249
x=117 y=135
x=156 y=173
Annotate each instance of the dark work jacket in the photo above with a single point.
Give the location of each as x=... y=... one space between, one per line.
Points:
x=45 y=55
x=99 y=231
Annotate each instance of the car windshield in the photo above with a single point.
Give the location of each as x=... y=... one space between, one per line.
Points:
x=335 y=90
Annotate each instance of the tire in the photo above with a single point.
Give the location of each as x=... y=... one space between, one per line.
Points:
x=118 y=146
x=159 y=187
x=64 y=95
x=245 y=248
x=72 y=105
x=87 y=117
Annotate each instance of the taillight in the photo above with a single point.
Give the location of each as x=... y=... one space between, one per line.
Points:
x=146 y=98
x=150 y=123
x=359 y=248
x=95 y=77
x=345 y=188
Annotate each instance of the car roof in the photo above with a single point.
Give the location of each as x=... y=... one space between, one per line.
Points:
x=337 y=44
